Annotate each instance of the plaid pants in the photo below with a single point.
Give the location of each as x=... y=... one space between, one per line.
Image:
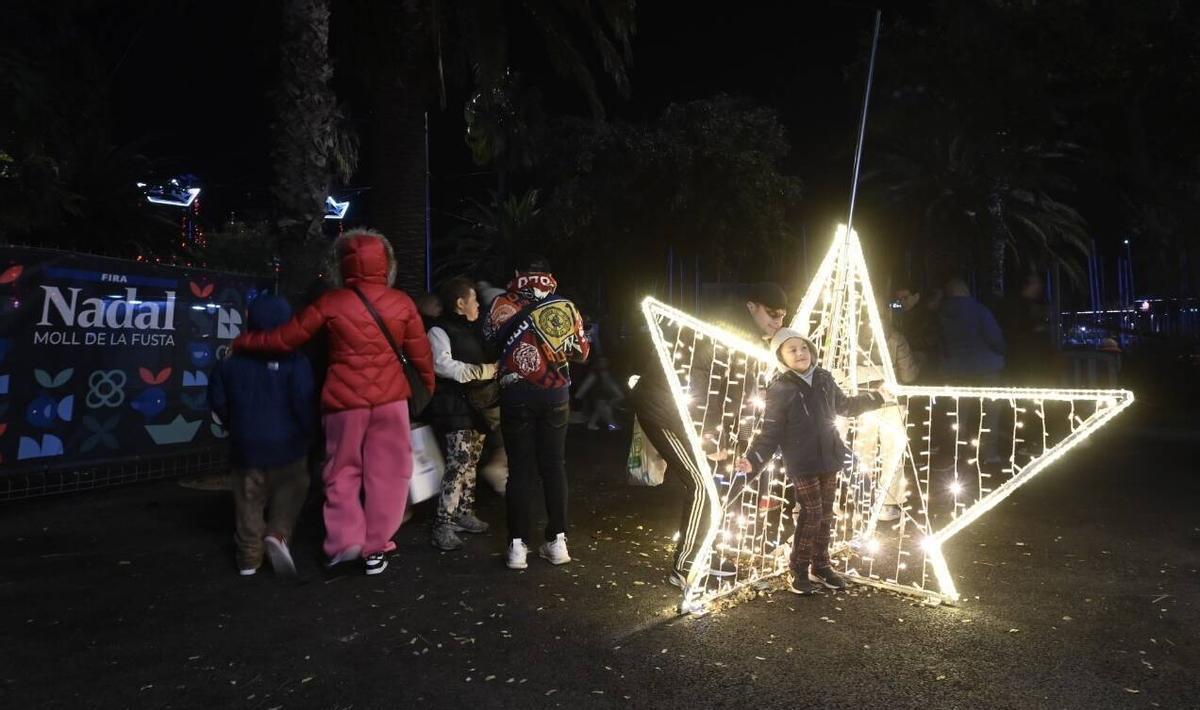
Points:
x=814 y=523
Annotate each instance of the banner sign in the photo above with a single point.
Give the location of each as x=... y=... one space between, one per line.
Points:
x=104 y=360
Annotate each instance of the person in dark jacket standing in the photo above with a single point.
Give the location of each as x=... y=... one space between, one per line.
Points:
x=802 y=406
x=973 y=353
x=537 y=334
x=971 y=342
x=466 y=388
x=765 y=308
x=268 y=405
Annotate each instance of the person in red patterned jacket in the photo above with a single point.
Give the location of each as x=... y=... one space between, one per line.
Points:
x=365 y=398
x=536 y=334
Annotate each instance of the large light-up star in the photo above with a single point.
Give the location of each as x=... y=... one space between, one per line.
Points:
x=945 y=455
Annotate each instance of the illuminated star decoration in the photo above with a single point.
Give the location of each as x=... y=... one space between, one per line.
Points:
x=945 y=455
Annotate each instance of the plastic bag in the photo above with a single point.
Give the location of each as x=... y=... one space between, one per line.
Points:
x=645 y=465
x=428 y=465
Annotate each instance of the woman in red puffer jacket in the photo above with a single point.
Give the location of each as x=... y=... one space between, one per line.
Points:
x=365 y=399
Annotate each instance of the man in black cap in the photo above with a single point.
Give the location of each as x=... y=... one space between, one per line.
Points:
x=653 y=402
x=767 y=304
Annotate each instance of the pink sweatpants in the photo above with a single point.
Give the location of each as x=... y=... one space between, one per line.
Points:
x=367 y=473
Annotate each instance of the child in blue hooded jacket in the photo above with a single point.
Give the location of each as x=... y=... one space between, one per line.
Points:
x=268 y=405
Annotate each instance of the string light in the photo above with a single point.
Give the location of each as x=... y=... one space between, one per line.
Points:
x=944 y=455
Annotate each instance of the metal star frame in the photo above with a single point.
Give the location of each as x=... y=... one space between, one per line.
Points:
x=943 y=456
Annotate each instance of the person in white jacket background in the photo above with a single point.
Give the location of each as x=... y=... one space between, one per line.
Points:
x=466 y=391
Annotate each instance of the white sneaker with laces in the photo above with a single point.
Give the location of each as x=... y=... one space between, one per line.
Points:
x=556 y=550
x=517 y=551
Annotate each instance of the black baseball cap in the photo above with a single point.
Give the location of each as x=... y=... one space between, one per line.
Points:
x=769 y=294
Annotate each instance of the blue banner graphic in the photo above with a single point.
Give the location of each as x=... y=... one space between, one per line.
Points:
x=103 y=360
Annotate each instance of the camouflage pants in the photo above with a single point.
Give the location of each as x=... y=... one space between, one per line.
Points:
x=463 y=448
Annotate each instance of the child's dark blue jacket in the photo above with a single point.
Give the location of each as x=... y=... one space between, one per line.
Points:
x=268 y=404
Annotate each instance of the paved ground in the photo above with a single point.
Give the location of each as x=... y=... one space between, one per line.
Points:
x=1081 y=589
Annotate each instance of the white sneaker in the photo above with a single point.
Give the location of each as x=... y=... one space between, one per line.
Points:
x=517 y=552
x=556 y=550
x=280 y=556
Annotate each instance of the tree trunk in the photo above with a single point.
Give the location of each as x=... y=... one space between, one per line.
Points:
x=398 y=170
x=302 y=137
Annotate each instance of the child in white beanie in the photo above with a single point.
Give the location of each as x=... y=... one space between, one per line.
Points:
x=802 y=406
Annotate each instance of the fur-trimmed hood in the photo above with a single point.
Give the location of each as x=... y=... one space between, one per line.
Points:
x=362 y=255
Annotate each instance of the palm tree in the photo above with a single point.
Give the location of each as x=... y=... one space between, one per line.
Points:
x=991 y=198
x=311 y=144
x=489 y=235
x=403 y=56
x=978 y=167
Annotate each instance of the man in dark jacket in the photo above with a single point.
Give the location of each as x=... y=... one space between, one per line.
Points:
x=268 y=406
x=764 y=310
x=973 y=351
x=972 y=344
x=802 y=406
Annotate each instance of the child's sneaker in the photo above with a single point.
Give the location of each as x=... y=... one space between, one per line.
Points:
x=280 y=556
x=677 y=579
x=468 y=523
x=517 y=552
x=248 y=571
x=556 y=550
x=347 y=555
x=444 y=538
x=800 y=585
x=375 y=563
x=826 y=577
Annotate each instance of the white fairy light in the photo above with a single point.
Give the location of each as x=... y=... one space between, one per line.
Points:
x=962 y=449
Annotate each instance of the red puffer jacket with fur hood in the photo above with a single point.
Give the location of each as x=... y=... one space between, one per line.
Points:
x=363 y=369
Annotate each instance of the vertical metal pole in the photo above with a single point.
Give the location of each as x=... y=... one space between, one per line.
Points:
x=671 y=275
x=804 y=236
x=862 y=124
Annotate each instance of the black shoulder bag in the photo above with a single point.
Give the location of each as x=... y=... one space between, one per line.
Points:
x=419 y=399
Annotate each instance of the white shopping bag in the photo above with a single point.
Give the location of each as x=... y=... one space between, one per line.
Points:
x=428 y=465
x=645 y=465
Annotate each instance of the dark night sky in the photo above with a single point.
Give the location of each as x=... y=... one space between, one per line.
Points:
x=196 y=75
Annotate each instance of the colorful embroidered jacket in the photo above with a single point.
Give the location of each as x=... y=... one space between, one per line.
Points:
x=536 y=334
